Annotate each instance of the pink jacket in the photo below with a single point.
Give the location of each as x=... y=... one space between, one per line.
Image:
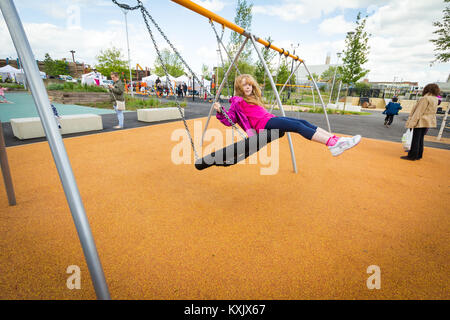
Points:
x=237 y=115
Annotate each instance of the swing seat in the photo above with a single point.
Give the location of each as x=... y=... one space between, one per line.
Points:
x=238 y=151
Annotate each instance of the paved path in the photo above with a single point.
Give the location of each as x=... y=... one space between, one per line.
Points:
x=369 y=126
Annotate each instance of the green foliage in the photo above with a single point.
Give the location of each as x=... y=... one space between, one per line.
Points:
x=268 y=55
x=442 y=43
x=244 y=68
x=206 y=73
x=361 y=86
x=283 y=74
x=243 y=18
x=327 y=75
x=314 y=75
x=11 y=85
x=55 y=68
x=172 y=63
x=356 y=53
x=71 y=86
x=110 y=60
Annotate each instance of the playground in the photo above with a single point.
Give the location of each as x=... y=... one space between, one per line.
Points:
x=185 y=237
x=312 y=229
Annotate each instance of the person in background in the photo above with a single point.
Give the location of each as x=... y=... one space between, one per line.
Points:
x=422 y=117
x=117 y=90
x=392 y=109
x=2 y=94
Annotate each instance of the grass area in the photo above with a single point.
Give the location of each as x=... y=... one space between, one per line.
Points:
x=333 y=111
x=75 y=87
x=133 y=104
x=11 y=85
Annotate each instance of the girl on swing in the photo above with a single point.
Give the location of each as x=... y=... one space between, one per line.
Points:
x=247 y=110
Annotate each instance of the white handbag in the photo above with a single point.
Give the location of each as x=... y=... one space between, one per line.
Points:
x=120 y=105
x=407 y=139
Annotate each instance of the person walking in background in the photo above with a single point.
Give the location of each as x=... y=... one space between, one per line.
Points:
x=2 y=94
x=55 y=112
x=117 y=91
x=185 y=88
x=422 y=117
x=392 y=109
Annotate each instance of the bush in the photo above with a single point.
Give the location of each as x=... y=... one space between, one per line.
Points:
x=55 y=86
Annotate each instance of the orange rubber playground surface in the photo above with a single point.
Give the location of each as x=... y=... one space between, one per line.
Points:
x=166 y=231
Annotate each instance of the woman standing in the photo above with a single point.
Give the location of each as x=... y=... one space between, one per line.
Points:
x=117 y=90
x=422 y=117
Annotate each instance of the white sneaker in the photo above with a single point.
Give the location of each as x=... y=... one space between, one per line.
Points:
x=344 y=144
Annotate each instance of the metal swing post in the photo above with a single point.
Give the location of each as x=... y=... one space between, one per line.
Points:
x=219 y=90
x=320 y=97
x=287 y=81
x=57 y=148
x=277 y=96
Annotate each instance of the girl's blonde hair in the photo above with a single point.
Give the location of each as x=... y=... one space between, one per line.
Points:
x=255 y=98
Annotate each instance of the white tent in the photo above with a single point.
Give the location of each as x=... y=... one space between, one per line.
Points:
x=150 y=80
x=182 y=79
x=164 y=78
x=9 y=71
x=90 y=78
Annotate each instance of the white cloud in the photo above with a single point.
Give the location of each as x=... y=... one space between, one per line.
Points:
x=336 y=25
x=304 y=11
x=212 y=5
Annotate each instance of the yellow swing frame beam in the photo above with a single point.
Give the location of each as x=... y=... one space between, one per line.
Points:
x=224 y=22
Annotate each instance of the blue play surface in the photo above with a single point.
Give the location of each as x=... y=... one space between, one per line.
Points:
x=23 y=107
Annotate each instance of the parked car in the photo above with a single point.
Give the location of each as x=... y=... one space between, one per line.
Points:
x=67 y=78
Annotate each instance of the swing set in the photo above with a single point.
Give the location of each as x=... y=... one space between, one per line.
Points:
x=225 y=157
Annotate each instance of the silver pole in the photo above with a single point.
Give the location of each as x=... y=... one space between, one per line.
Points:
x=338 y=93
x=320 y=96
x=128 y=46
x=56 y=146
x=224 y=80
x=277 y=96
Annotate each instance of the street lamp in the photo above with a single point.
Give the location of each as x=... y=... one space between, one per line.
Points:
x=125 y=8
x=292 y=66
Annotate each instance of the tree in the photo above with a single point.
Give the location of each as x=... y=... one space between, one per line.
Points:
x=328 y=75
x=442 y=43
x=110 y=60
x=172 y=63
x=260 y=72
x=315 y=76
x=206 y=73
x=55 y=68
x=243 y=19
x=355 y=54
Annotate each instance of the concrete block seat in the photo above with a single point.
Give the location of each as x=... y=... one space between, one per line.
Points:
x=158 y=114
x=28 y=128
x=340 y=106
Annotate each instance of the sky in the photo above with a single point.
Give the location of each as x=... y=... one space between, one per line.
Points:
x=400 y=31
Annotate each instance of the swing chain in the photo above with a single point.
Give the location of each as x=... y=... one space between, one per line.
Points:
x=125 y=6
x=170 y=82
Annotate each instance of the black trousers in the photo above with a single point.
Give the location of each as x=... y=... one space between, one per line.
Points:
x=389 y=118
x=416 y=151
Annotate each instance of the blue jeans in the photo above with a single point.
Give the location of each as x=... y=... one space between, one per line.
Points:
x=119 y=116
x=286 y=124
